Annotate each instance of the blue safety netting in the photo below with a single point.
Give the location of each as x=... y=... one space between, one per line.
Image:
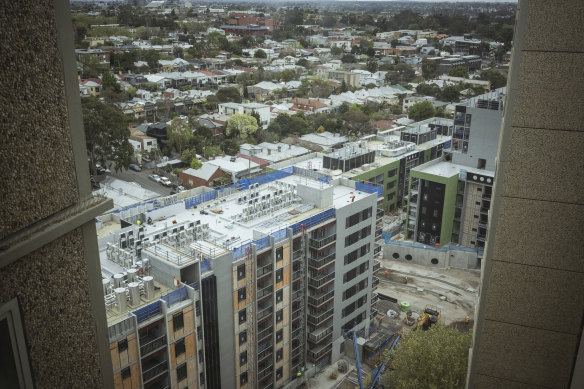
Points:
x=279 y=235
x=264 y=179
x=368 y=188
x=176 y=296
x=202 y=198
x=262 y=243
x=313 y=221
x=205 y=265
x=148 y=311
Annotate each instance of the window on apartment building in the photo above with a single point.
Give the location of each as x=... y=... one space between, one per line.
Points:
x=352 y=220
x=279 y=254
x=279 y=373
x=390 y=185
x=241 y=272
x=279 y=275
x=179 y=348
x=366 y=213
x=126 y=373
x=243 y=358
x=243 y=378
x=242 y=337
x=279 y=296
x=122 y=345
x=435 y=213
x=201 y=357
x=178 y=321
x=242 y=316
x=392 y=173
x=279 y=336
x=279 y=315
x=181 y=372
x=241 y=295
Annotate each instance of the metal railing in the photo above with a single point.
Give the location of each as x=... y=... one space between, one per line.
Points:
x=155 y=370
x=317 y=336
x=265 y=333
x=153 y=345
x=312 y=318
x=320 y=299
x=320 y=262
x=265 y=269
x=323 y=280
x=322 y=242
x=375 y=282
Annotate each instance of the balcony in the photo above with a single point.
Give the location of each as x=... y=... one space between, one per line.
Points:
x=297 y=254
x=263 y=335
x=265 y=269
x=374 y=298
x=153 y=368
x=316 y=354
x=318 y=300
x=266 y=291
x=378 y=232
x=265 y=370
x=320 y=243
x=373 y=313
x=152 y=345
x=375 y=282
x=319 y=317
x=376 y=264
x=321 y=280
x=316 y=336
x=264 y=310
x=380 y=213
x=318 y=263
x=296 y=333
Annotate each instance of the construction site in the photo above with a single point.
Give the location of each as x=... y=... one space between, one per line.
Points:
x=410 y=297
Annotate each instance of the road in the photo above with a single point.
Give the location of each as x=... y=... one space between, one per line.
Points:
x=142 y=179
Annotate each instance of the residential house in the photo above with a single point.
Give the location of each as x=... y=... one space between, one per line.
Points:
x=204 y=176
x=90 y=87
x=261 y=109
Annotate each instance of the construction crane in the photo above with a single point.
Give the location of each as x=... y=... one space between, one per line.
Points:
x=384 y=364
x=347 y=335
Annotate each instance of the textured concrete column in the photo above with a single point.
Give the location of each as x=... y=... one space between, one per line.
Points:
x=530 y=315
x=48 y=247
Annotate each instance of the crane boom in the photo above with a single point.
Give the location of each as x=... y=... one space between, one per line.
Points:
x=384 y=364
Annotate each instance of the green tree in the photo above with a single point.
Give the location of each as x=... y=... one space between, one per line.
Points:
x=349 y=58
x=356 y=123
x=211 y=151
x=288 y=75
x=106 y=134
x=422 y=110
x=241 y=125
x=228 y=95
x=335 y=50
x=429 y=69
x=189 y=156
x=259 y=53
x=109 y=81
x=433 y=359
x=303 y=62
x=372 y=65
x=179 y=134
x=459 y=71
x=497 y=79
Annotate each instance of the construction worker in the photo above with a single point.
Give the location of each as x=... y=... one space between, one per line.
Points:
x=466 y=320
x=298 y=374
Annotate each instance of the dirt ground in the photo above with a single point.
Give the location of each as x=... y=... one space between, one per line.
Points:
x=453 y=291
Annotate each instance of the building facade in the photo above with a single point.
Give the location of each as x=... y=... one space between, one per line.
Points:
x=298 y=255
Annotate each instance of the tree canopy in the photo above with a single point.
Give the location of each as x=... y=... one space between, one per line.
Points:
x=106 y=134
x=422 y=110
x=432 y=359
x=497 y=79
x=179 y=134
x=459 y=71
x=241 y=125
x=228 y=95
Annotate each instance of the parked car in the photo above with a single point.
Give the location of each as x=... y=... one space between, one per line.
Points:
x=135 y=167
x=154 y=177
x=165 y=181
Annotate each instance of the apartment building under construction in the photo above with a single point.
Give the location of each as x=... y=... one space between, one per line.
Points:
x=242 y=287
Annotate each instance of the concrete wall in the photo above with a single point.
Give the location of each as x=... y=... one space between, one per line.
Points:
x=49 y=263
x=484 y=138
x=528 y=331
x=424 y=255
